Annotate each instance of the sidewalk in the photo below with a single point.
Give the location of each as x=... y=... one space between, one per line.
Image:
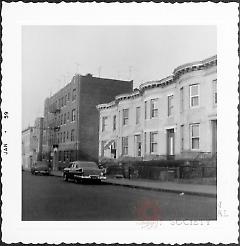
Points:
x=56 y=173
x=191 y=189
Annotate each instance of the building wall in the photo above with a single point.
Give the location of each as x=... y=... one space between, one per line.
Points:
x=95 y=91
x=169 y=128
x=89 y=91
x=27 y=148
x=37 y=139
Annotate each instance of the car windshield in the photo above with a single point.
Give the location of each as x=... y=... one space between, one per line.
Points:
x=87 y=164
x=41 y=164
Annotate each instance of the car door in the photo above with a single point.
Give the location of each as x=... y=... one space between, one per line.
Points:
x=72 y=171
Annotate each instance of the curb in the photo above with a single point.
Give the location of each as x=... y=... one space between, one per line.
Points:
x=52 y=174
x=165 y=190
x=156 y=189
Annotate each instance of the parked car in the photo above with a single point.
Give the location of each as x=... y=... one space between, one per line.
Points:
x=40 y=168
x=84 y=170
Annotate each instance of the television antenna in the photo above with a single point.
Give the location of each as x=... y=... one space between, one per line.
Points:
x=99 y=71
x=77 y=67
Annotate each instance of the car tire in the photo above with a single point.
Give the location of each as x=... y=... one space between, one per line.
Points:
x=65 y=177
x=76 y=180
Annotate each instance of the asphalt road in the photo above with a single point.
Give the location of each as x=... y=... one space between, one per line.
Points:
x=49 y=198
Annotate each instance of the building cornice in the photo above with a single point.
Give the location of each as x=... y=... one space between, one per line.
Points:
x=193 y=66
x=177 y=72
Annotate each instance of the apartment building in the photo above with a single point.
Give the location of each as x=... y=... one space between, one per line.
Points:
x=27 y=148
x=71 y=118
x=37 y=136
x=175 y=117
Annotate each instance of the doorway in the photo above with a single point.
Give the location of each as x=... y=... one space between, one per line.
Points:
x=170 y=142
x=214 y=136
x=138 y=145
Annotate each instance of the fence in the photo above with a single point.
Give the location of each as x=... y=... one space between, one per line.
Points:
x=163 y=173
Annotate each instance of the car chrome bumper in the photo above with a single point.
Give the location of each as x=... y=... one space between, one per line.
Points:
x=92 y=177
x=41 y=171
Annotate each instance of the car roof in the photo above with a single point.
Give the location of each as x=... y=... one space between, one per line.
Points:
x=81 y=162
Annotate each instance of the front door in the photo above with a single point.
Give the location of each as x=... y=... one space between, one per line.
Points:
x=170 y=142
x=214 y=136
x=138 y=144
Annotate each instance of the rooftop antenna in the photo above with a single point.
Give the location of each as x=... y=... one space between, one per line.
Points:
x=77 y=67
x=118 y=74
x=130 y=72
x=59 y=84
x=99 y=71
x=64 y=79
x=68 y=77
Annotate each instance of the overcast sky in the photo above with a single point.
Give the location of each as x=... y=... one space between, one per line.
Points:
x=51 y=55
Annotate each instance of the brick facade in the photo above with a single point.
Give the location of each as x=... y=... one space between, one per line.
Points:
x=71 y=118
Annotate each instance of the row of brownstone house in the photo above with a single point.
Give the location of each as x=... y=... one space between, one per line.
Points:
x=93 y=118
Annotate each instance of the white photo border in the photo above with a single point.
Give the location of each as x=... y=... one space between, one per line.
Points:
x=225 y=17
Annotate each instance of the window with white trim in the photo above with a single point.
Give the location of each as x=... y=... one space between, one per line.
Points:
x=64 y=137
x=194 y=95
x=64 y=119
x=145 y=142
x=154 y=109
x=138 y=114
x=74 y=94
x=72 y=135
x=114 y=122
x=195 y=136
x=181 y=100
x=65 y=100
x=61 y=119
x=170 y=105
x=145 y=110
x=153 y=142
x=73 y=115
x=125 y=116
x=104 y=123
x=214 y=88
x=182 y=137
x=124 y=145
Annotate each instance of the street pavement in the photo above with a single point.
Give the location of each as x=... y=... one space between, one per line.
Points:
x=174 y=186
x=49 y=198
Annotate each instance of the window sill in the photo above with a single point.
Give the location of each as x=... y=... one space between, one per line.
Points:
x=194 y=107
x=195 y=150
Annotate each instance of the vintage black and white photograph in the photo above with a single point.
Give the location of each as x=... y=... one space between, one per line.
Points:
x=119 y=123
x=120 y=126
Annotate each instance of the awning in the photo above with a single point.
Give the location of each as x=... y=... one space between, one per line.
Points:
x=108 y=144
